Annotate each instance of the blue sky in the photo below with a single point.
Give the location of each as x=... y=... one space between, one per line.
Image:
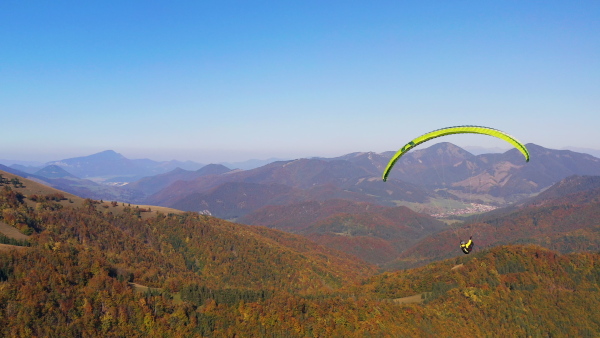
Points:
x=214 y=81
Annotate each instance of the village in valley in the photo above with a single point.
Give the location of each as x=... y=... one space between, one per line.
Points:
x=475 y=208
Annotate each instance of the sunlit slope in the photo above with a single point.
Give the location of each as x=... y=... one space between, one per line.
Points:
x=30 y=188
x=152 y=245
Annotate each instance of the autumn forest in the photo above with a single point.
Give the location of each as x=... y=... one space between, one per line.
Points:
x=83 y=267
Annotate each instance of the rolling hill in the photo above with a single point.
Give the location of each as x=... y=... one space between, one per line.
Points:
x=33 y=188
x=58 y=178
x=54 y=171
x=376 y=237
x=213 y=248
x=152 y=184
x=372 y=232
x=302 y=174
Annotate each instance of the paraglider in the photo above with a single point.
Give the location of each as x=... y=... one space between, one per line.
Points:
x=467 y=247
x=455 y=130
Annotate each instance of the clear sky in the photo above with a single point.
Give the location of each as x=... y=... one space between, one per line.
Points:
x=213 y=81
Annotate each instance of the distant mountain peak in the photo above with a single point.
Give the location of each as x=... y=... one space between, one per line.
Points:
x=213 y=169
x=53 y=171
x=451 y=152
x=108 y=154
x=178 y=170
x=447 y=146
x=98 y=164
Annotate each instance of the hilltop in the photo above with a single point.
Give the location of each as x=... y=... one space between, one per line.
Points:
x=37 y=195
x=153 y=184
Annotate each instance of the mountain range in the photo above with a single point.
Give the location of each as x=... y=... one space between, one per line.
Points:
x=111 y=167
x=442 y=171
x=342 y=202
x=492 y=179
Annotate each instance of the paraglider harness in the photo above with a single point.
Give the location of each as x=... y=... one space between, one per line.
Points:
x=467 y=247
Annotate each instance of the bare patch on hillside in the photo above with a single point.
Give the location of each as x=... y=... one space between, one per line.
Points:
x=409 y=299
x=12 y=232
x=457 y=266
x=8 y=247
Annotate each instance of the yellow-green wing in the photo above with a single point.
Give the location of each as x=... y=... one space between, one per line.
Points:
x=455 y=130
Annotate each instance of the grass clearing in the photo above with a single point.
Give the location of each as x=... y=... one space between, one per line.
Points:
x=8 y=247
x=12 y=232
x=143 y=289
x=457 y=266
x=408 y=300
x=146 y=211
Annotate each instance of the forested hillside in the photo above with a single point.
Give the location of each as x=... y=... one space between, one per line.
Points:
x=507 y=291
x=90 y=268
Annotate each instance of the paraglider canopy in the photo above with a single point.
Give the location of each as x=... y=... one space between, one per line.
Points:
x=455 y=130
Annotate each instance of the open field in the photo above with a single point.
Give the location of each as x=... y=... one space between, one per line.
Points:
x=8 y=247
x=144 y=289
x=12 y=232
x=410 y=299
x=146 y=211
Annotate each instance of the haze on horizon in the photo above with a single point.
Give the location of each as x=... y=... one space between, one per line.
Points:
x=232 y=81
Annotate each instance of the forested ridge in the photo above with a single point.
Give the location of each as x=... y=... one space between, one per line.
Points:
x=86 y=271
